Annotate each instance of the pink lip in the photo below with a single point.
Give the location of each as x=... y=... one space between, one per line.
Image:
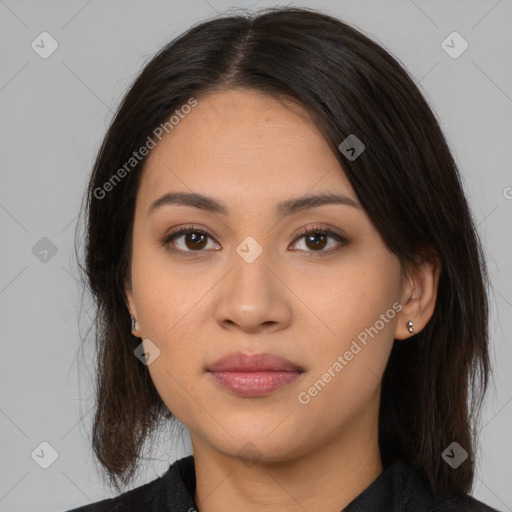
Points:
x=252 y=363
x=253 y=374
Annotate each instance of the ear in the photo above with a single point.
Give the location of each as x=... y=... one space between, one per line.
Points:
x=130 y=303
x=419 y=294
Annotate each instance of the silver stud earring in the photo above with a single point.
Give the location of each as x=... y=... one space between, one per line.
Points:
x=409 y=326
x=134 y=324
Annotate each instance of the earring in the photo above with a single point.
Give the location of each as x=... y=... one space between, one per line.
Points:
x=409 y=326
x=134 y=324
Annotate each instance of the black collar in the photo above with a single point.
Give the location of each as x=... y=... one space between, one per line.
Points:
x=399 y=488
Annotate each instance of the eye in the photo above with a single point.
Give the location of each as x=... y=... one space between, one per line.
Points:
x=194 y=240
x=317 y=238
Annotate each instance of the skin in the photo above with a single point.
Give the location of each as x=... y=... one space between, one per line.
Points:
x=252 y=151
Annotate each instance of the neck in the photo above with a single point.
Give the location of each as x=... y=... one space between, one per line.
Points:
x=328 y=478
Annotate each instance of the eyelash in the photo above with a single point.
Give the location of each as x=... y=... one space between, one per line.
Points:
x=166 y=240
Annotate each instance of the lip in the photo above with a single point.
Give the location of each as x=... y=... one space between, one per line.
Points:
x=253 y=374
x=242 y=362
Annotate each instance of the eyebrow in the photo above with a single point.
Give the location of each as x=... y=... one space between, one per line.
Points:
x=283 y=209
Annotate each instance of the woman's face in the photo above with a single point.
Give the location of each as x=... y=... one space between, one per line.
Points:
x=255 y=284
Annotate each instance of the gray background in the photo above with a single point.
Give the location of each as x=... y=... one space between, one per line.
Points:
x=54 y=114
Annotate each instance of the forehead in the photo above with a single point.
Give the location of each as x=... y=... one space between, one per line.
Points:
x=243 y=145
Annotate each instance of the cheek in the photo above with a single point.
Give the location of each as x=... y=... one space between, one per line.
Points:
x=167 y=306
x=348 y=395
x=348 y=298
x=174 y=386
x=167 y=294
x=354 y=321
x=351 y=358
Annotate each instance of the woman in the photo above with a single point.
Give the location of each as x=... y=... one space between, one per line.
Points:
x=283 y=259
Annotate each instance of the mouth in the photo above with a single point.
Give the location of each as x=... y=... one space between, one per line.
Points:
x=253 y=375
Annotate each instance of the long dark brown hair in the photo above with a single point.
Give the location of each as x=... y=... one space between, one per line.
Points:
x=406 y=180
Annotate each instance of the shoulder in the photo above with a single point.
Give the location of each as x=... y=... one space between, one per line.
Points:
x=173 y=490
x=464 y=503
x=141 y=498
x=418 y=495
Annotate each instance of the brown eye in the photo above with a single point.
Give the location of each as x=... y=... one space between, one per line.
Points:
x=186 y=240
x=196 y=240
x=316 y=240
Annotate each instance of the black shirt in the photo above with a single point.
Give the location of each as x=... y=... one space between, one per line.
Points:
x=399 y=488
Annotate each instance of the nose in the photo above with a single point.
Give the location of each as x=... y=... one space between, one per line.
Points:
x=253 y=297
